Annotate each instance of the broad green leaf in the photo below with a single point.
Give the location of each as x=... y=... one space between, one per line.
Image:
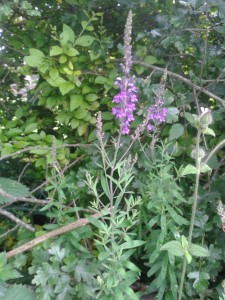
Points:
x=80 y=113
x=70 y=33
x=51 y=101
x=82 y=128
x=172 y=114
x=64 y=38
x=56 y=50
x=66 y=87
x=62 y=59
x=184 y=242
x=19 y=113
x=54 y=74
x=34 y=137
x=198 y=251
x=176 y=131
x=30 y=127
x=85 y=40
x=151 y=60
x=74 y=123
x=13 y=188
x=71 y=52
x=189 y=169
x=91 y=97
x=100 y=80
x=107 y=116
x=174 y=247
x=75 y=101
x=14 y=132
x=35 y=58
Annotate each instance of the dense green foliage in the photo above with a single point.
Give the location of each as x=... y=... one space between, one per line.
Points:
x=59 y=63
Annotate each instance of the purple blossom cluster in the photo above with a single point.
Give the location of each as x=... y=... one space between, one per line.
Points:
x=125 y=101
x=126 y=98
x=157 y=112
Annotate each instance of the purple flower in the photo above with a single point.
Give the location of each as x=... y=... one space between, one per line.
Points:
x=126 y=98
x=157 y=111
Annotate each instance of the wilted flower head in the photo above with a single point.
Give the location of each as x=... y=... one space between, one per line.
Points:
x=126 y=98
x=205 y=117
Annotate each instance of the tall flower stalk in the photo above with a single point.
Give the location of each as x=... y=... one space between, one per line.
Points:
x=126 y=98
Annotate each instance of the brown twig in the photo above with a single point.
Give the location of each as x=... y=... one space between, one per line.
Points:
x=22 y=199
x=16 y=220
x=51 y=234
x=183 y=79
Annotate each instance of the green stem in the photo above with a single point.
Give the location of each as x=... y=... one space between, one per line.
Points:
x=194 y=208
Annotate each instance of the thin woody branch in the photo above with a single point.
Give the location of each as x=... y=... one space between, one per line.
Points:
x=22 y=199
x=51 y=234
x=16 y=220
x=183 y=79
x=43 y=148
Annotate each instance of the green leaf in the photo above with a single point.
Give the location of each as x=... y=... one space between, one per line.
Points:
x=132 y=244
x=62 y=59
x=174 y=247
x=100 y=80
x=75 y=101
x=30 y=127
x=91 y=97
x=35 y=58
x=151 y=60
x=71 y=52
x=65 y=87
x=189 y=169
x=104 y=185
x=18 y=292
x=198 y=251
x=56 y=50
x=70 y=33
x=19 y=113
x=54 y=74
x=107 y=116
x=82 y=128
x=74 y=123
x=176 y=131
x=205 y=168
x=13 y=188
x=188 y=257
x=80 y=113
x=209 y=131
x=85 y=40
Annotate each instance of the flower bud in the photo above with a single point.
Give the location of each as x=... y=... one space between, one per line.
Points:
x=201 y=153
x=205 y=118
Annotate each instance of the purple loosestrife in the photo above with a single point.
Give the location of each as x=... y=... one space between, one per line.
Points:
x=157 y=112
x=126 y=98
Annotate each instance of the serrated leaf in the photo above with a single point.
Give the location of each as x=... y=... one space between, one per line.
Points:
x=176 y=131
x=13 y=188
x=85 y=40
x=174 y=247
x=189 y=169
x=18 y=292
x=198 y=251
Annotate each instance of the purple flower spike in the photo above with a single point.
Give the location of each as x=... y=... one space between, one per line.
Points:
x=126 y=98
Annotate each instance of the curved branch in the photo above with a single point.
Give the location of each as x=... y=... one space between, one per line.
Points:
x=183 y=79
